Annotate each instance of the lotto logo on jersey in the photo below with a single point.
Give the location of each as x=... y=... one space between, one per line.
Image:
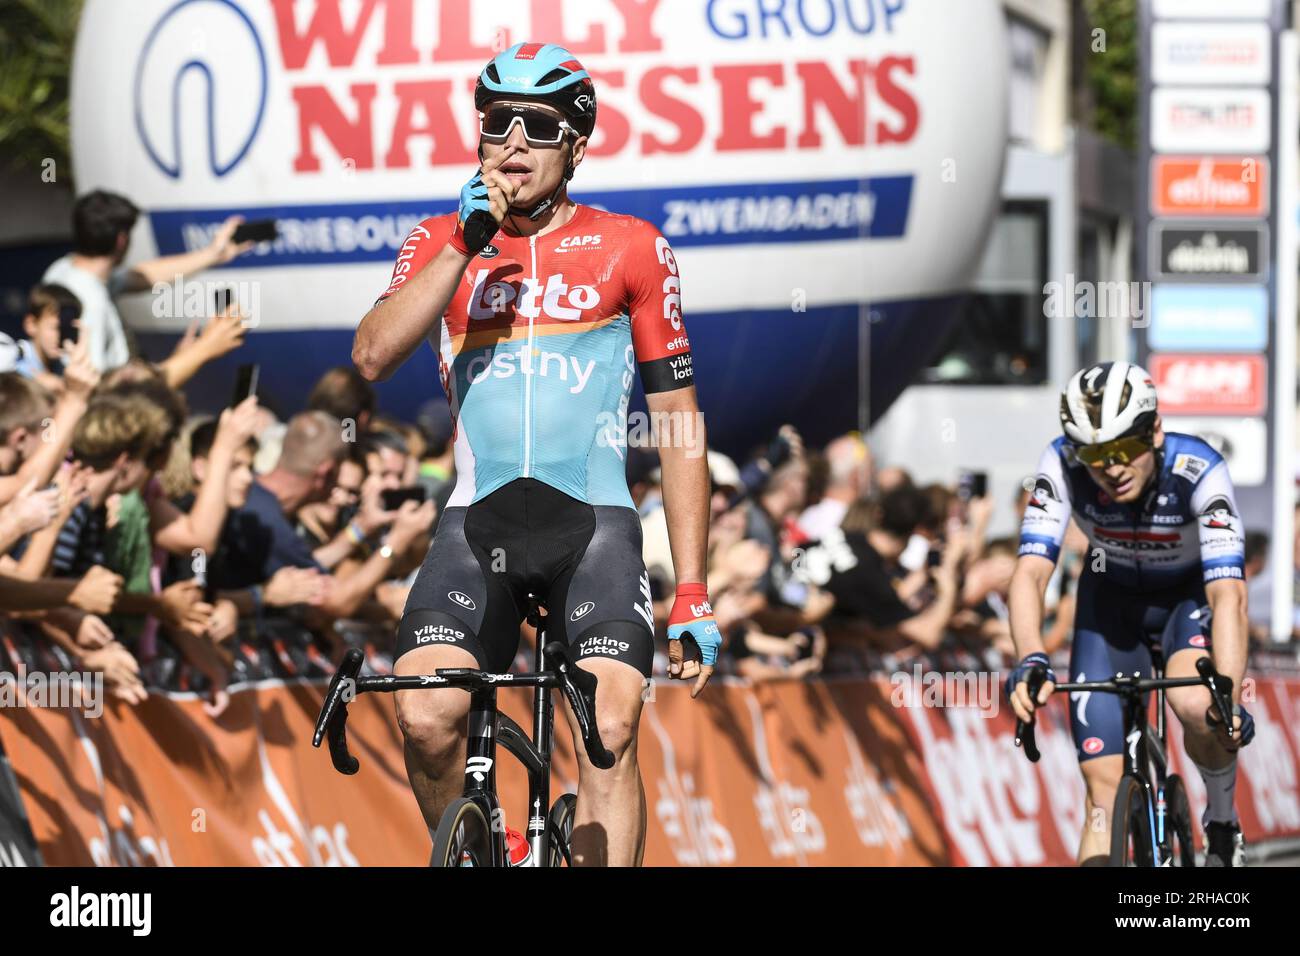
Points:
x=580 y=242
x=553 y=298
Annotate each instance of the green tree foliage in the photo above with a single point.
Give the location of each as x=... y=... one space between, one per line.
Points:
x=1110 y=68
x=36 y=38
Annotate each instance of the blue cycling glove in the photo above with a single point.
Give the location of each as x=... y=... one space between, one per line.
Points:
x=1021 y=671
x=475 y=224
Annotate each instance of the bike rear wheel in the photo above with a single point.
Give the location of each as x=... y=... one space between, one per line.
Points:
x=1130 y=826
x=559 y=825
x=1178 y=821
x=464 y=837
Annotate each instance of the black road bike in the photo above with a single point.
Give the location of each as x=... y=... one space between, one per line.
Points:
x=1151 y=824
x=470 y=832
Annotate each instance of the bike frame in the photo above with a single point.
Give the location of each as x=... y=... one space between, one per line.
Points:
x=487 y=725
x=1145 y=748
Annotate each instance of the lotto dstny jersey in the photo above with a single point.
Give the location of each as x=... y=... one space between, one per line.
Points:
x=539 y=347
x=1186 y=522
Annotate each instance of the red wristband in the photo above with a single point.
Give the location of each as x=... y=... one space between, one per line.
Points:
x=457 y=241
x=692 y=589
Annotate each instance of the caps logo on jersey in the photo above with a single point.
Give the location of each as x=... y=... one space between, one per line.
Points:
x=579 y=242
x=1093 y=745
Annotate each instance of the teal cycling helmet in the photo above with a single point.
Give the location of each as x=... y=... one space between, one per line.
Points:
x=542 y=71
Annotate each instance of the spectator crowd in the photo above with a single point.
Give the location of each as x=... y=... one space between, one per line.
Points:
x=163 y=548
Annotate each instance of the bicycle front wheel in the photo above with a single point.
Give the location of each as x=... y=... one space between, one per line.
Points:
x=464 y=837
x=1178 y=821
x=559 y=825
x=1130 y=826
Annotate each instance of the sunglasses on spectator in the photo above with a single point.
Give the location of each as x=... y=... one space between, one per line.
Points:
x=540 y=128
x=1119 y=451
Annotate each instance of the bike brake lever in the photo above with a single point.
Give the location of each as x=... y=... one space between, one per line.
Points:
x=333 y=719
x=580 y=689
x=1025 y=729
x=1220 y=686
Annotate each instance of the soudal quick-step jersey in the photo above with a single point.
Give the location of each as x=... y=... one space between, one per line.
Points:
x=1187 y=522
x=539 y=346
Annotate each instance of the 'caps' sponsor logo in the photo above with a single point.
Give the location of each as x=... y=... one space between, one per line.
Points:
x=463 y=599
x=1093 y=745
x=1198 y=640
x=1211 y=384
x=578 y=242
x=582 y=610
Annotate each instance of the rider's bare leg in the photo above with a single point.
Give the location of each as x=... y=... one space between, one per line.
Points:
x=1214 y=762
x=609 y=823
x=1189 y=704
x=1101 y=776
x=433 y=724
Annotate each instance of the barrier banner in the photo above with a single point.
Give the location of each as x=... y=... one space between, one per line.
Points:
x=833 y=772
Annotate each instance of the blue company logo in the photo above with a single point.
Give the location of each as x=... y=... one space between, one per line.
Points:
x=711 y=215
x=1209 y=318
x=178 y=44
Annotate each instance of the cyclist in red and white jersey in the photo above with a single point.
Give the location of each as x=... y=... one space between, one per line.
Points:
x=542 y=312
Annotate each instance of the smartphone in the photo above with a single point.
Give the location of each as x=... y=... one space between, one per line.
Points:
x=260 y=230
x=972 y=484
x=245 y=382
x=69 y=326
x=394 y=498
x=222 y=300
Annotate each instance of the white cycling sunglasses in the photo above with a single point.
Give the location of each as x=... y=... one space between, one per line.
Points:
x=540 y=128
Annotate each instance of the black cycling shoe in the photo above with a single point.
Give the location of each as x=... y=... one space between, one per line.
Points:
x=1224 y=845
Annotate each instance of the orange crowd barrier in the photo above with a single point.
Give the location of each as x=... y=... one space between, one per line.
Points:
x=827 y=772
